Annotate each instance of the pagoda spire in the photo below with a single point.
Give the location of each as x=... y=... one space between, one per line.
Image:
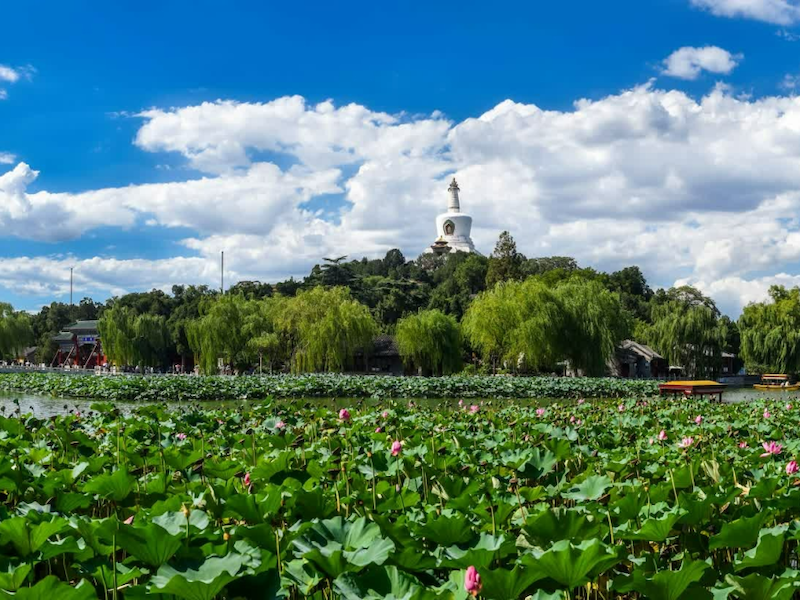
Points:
x=453 y=205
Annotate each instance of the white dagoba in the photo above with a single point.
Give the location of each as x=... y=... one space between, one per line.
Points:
x=453 y=227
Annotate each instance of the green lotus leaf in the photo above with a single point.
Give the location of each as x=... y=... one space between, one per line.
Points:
x=27 y=537
x=51 y=588
x=177 y=523
x=502 y=584
x=13 y=574
x=759 y=587
x=481 y=554
x=653 y=529
x=572 y=565
x=336 y=545
x=446 y=529
x=114 y=486
x=664 y=585
x=740 y=533
x=378 y=583
x=767 y=550
x=203 y=582
x=591 y=488
x=153 y=544
x=554 y=524
x=301 y=574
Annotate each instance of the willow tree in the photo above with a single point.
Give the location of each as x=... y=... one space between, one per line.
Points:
x=430 y=340
x=221 y=333
x=325 y=327
x=15 y=331
x=517 y=324
x=131 y=339
x=596 y=323
x=687 y=331
x=117 y=330
x=770 y=333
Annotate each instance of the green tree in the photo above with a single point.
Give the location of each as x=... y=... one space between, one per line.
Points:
x=770 y=332
x=505 y=263
x=687 y=331
x=16 y=332
x=431 y=341
x=325 y=328
x=220 y=333
x=596 y=323
x=131 y=339
x=117 y=329
x=516 y=323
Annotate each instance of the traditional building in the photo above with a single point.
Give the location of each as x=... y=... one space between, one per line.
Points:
x=79 y=345
x=453 y=227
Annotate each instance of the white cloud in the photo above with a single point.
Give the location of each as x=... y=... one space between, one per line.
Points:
x=778 y=12
x=6 y=158
x=706 y=190
x=688 y=62
x=13 y=75
x=8 y=74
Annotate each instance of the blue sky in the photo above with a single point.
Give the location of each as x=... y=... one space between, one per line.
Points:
x=103 y=102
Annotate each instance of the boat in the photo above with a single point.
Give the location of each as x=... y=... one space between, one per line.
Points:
x=776 y=382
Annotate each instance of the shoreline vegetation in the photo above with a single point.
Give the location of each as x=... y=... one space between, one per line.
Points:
x=252 y=387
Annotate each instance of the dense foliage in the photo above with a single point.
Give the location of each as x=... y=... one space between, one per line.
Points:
x=594 y=500
x=182 y=388
x=770 y=333
x=431 y=341
x=15 y=331
x=531 y=324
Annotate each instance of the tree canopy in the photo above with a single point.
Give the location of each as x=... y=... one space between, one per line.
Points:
x=16 y=332
x=770 y=332
x=430 y=340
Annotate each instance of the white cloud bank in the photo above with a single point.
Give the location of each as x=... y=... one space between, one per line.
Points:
x=778 y=12
x=689 y=62
x=704 y=191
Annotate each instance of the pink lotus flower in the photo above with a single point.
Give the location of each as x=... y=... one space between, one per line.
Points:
x=472 y=581
x=698 y=419
x=572 y=419
x=742 y=444
x=181 y=436
x=581 y=400
x=280 y=425
x=539 y=412
x=474 y=408
x=789 y=406
x=662 y=435
x=397 y=446
x=129 y=520
x=766 y=414
x=651 y=441
x=246 y=479
x=385 y=414
x=461 y=403
x=791 y=467
x=344 y=415
x=771 y=448
x=578 y=422
x=377 y=430
x=621 y=408
x=686 y=442
x=78 y=414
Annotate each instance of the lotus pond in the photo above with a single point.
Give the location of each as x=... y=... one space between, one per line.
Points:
x=594 y=499
x=183 y=388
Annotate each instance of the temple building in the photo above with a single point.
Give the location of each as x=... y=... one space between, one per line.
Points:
x=79 y=346
x=453 y=227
